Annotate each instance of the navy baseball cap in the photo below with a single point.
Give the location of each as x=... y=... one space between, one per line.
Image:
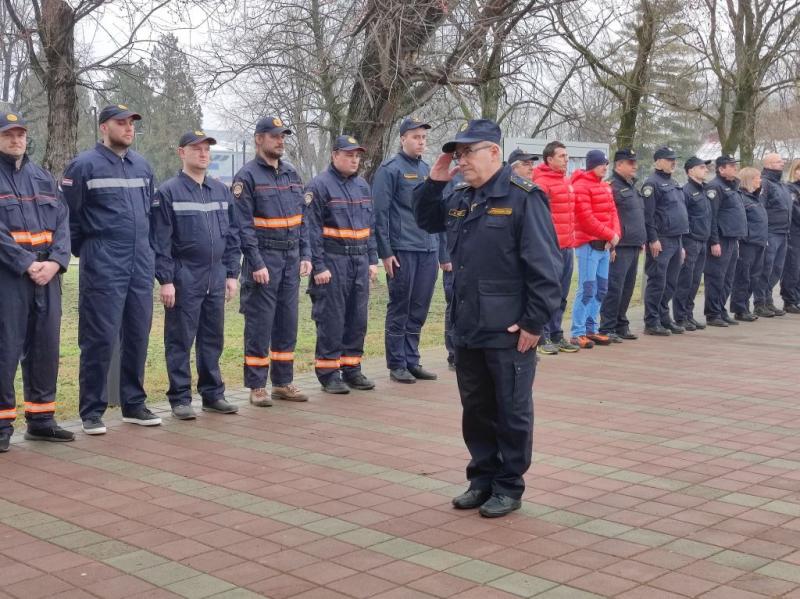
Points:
x=347 y=142
x=625 y=154
x=693 y=162
x=665 y=152
x=520 y=155
x=117 y=111
x=726 y=159
x=195 y=137
x=473 y=131
x=12 y=120
x=595 y=158
x=412 y=122
x=272 y=124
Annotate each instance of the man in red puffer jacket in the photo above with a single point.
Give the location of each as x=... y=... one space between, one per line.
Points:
x=597 y=232
x=551 y=177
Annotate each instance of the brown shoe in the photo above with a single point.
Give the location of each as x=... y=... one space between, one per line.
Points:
x=599 y=338
x=259 y=398
x=289 y=393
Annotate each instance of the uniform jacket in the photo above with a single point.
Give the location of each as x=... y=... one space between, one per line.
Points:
x=562 y=202
x=193 y=226
x=270 y=211
x=109 y=198
x=595 y=211
x=777 y=200
x=794 y=189
x=699 y=207
x=665 y=212
x=34 y=223
x=757 y=218
x=392 y=190
x=340 y=212
x=506 y=258
x=728 y=218
x=630 y=211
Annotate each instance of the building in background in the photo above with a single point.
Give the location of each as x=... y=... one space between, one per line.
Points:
x=577 y=150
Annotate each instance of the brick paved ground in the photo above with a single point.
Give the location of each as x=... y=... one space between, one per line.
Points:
x=664 y=468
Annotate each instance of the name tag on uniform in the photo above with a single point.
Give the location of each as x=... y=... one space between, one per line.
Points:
x=457 y=213
x=499 y=211
x=410 y=176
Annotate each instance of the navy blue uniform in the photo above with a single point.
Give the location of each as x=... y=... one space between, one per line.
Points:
x=728 y=225
x=515 y=283
x=109 y=212
x=777 y=200
x=666 y=220
x=341 y=230
x=752 y=250
x=622 y=271
x=397 y=234
x=271 y=218
x=34 y=227
x=790 y=281
x=194 y=235
x=695 y=245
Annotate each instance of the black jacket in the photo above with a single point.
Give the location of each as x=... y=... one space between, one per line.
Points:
x=506 y=260
x=777 y=200
x=699 y=207
x=794 y=190
x=664 y=207
x=630 y=209
x=728 y=218
x=757 y=227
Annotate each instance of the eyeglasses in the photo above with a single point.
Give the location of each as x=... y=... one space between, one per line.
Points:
x=468 y=151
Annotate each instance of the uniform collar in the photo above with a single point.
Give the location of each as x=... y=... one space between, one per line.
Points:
x=413 y=160
x=9 y=163
x=732 y=184
x=622 y=179
x=265 y=164
x=191 y=183
x=772 y=174
x=693 y=183
x=662 y=174
x=497 y=186
x=109 y=154
x=339 y=175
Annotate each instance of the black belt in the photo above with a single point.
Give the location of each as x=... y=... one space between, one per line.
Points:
x=277 y=244
x=347 y=250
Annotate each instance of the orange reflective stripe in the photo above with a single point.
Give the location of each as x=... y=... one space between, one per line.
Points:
x=40 y=408
x=282 y=356
x=278 y=223
x=350 y=360
x=345 y=233
x=255 y=361
x=326 y=363
x=8 y=414
x=38 y=238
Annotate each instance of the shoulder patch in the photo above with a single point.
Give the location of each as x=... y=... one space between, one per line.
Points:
x=308 y=197
x=711 y=193
x=523 y=183
x=237 y=189
x=499 y=211
x=156 y=201
x=66 y=182
x=647 y=190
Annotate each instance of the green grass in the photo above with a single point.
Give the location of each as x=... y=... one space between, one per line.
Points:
x=156 y=381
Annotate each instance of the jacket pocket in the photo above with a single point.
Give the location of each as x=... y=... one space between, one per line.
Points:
x=499 y=304
x=48 y=213
x=12 y=215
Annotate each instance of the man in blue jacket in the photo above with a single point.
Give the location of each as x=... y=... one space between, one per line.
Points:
x=502 y=299
x=194 y=235
x=409 y=254
x=698 y=206
x=728 y=226
x=109 y=190
x=34 y=251
x=778 y=201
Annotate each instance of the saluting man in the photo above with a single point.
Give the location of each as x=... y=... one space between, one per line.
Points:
x=409 y=254
x=506 y=287
x=269 y=202
x=109 y=191
x=344 y=253
x=194 y=235
x=34 y=250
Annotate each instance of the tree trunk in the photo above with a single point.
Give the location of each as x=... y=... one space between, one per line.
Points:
x=56 y=31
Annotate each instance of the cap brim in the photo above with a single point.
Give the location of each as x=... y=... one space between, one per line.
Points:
x=283 y=130
x=127 y=114
x=416 y=126
x=522 y=157
x=13 y=126
x=450 y=146
x=349 y=148
x=210 y=140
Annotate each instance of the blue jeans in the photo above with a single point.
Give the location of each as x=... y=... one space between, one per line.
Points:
x=592 y=288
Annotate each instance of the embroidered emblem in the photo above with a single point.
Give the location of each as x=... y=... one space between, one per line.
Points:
x=237 y=189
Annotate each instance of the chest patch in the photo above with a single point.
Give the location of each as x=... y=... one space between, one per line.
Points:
x=499 y=211
x=457 y=213
x=410 y=176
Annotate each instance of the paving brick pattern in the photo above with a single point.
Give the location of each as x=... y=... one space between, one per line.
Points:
x=663 y=468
